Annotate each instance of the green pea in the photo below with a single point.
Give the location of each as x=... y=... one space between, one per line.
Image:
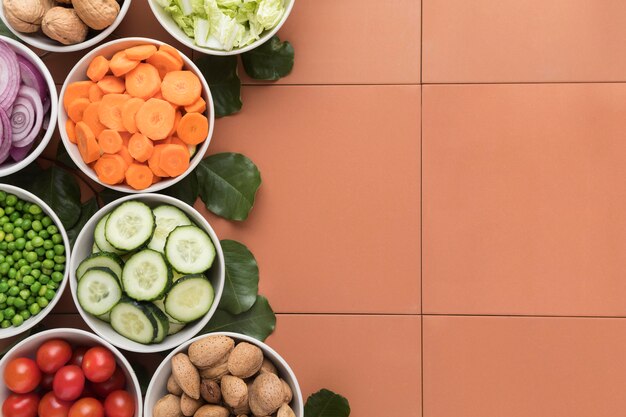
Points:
x=11 y=282
x=5 y=324
x=3 y=196
x=19 y=304
x=40 y=252
x=22 y=262
x=52 y=229
x=17 y=320
x=53 y=285
x=44 y=234
x=11 y=200
x=13 y=217
x=48 y=245
x=29 y=247
x=4 y=268
x=57 y=239
x=3 y=246
x=10 y=260
x=43 y=303
x=36 y=226
x=44 y=279
x=1 y=316
x=36 y=264
x=31 y=257
x=30 y=300
x=24 y=294
x=34 y=209
x=9 y=237
x=2 y=235
x=46 y=221
x=50 y=294
x=9 y=312
x=18 y=232
x=30 y=235
x=59 y=259
x=59 y=267
x=19 y=205
x=7 y=227
x=18 y=222
x=9 y=210
x=35 y=273
x=34 y=309
x=25 y=314
x=48 y=264
x=12 y=273
x=37 y=241
x=57 y=276
x=21 y=286
x=50 y=253
x=28 y=280
x=27 y=216
x=3 y=299
x=17 y=255
x=10 y=300
x=26 y=224
x=4 y=287
x=34 y=289
x=59 y=249
x=14 y=290
x=20 y=243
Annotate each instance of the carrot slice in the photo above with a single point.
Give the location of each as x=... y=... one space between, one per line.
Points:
x=112 y=85
x=177 y=118
x=129 y=111
x=182 y=88
x=140 y=147
x=75 y=91
x=76 y=109
x=143 y=81
x=174 y=159
x=126 y=155
x=110 y=141
x=172 y=51
x=95 y=93
x=98 y=68
x=110 y=169
x=120 y=64
x=91 y=118
x=141 y=52
x=139 y=176
x=155 y=119
x=198 y=107
x=165 y=63
x=87 y=144
x=110 y=111
x=155 y=179
x=193 y=128
x=70 y=129
x=155 y=161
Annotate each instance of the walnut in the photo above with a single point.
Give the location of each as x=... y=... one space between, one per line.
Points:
x=97 y=14
x=24 y=15
x=64 y=25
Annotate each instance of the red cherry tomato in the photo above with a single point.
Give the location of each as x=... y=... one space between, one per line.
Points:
x=68 y=383
x=51 y=406
x=20 y=405
x=98 y=364
x=119 y=404
x=22 y=375
x=78 y=355
x=52 y=355
x=46 y=382
x=87 y=407
x=116 y=382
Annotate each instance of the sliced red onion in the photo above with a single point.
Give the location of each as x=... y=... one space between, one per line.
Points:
x=46 y=104
x=33 y=109
x=17 y=154
x=5 y=137
x=31 y=77
x=22 y=118
x=46 y=121
x=10 y=79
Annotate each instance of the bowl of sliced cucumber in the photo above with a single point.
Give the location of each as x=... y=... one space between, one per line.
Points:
x=147 y=272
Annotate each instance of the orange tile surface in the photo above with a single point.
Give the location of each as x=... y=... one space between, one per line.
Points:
x=533 y=41
x=520 y=367
x=336 y=224
x=522 y=204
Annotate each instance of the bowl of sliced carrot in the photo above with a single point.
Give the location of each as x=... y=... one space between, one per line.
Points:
x=136 y=115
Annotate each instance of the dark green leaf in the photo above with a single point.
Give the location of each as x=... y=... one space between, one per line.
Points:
x=228 y=183
x=185 y=190
x=221 y=74
x=258 y=322
x=88 y=209
x=107 y=195
x=143 y=376
x=325 y=403
x=242 y=278
x=4 y=31
x=271 y=61
x=25 y=178
x=64 y=158
x=60 y=190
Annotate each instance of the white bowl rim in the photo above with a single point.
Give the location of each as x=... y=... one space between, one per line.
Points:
x=88 y=43
x=118 y=355
x=163 y=346
x=163 y=184
x=188 y=42
x=240 y=337
x=33 y=321
x=54 y=101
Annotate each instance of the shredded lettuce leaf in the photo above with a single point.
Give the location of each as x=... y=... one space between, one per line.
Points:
x=224 y=24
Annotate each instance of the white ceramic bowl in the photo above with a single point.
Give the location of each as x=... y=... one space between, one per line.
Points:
x=10 y=167
x=41 y=41
x=75 y=337
x=82 y=249
x=165 y=19
x=78 y=73
x=158 y=389
x=27 y=196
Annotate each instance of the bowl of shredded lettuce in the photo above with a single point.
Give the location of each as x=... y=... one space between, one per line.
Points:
x=222 y=27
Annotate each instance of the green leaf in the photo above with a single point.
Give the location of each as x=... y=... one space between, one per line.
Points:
x=185 y=190
x=258 y=322
x=25 y=178
x=228 y=183
x=108 y=195
x=221 y=74
x=4 y=31
x=64 y=158
x=325 y=403
x=143 y=376
x=88 y=209
x=242 y=278
x=271 y=61
x=60 y=190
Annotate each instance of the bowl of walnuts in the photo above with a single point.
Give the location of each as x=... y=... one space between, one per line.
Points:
x=63 y=25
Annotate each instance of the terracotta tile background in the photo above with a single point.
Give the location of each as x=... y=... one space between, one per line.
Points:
x=446 y=175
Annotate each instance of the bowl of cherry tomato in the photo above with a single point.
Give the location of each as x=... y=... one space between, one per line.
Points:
x=67 y=373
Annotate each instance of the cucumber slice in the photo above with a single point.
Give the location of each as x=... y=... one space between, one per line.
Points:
x=177 y=276
x=167 y=218
x=163 y=325
x=135 y=321
x=106 y=317
x=101 y=259
x=161 y=306
x=95 y=248
x=146 y=276
x=98 y=291
x=175 y=328
x=129 y=226
x=190 y=298
x=189 y=250
x=100 y=240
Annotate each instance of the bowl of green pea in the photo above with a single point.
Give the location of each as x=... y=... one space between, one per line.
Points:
x=34 y=254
